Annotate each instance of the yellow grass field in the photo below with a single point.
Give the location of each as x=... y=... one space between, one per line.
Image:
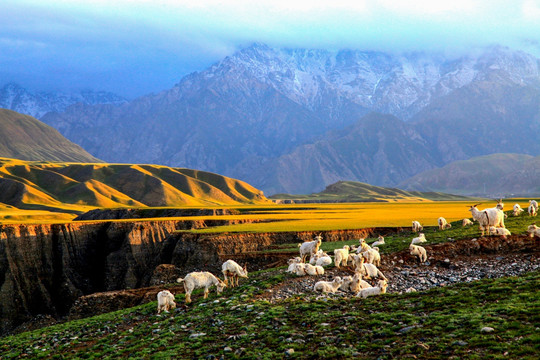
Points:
x=297 y=217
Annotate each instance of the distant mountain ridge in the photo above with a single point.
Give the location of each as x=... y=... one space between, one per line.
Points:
x=26 y=138
x=353 y=191
x=496 y=175
x=37 y=104
x=279 y=118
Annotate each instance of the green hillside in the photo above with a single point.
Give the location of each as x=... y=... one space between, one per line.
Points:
x=495 y=175
x=26 y=138
x=353 y=191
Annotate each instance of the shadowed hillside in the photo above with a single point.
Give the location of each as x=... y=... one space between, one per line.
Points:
x=353 y=191
x=24 y=137
x=42 y=185
x=491 y=175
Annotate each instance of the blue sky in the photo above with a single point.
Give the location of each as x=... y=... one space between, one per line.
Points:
x=134 y=47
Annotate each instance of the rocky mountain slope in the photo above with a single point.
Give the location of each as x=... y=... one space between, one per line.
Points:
x=31 y=185
x=24 y=137
x=257 y=115
x=37 y=104
x=492 y=175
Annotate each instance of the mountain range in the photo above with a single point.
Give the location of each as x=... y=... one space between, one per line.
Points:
x=495 y=175
x=295 y=121
x=37 y=104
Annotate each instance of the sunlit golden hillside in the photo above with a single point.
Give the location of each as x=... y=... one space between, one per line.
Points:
x=61 y=186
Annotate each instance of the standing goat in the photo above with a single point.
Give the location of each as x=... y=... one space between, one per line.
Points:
x=231 y=269
x=198 y=280
x=310 y=247
x=487 y=217
x=165 y=301
x=517 y=210
x=416 y=226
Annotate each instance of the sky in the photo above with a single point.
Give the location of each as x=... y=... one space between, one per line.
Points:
x=135 y=47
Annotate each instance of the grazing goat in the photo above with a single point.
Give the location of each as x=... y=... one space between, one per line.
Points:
x=532 y=210
x=165 y=301
x=487 y=217
x=198 y=280
x=418 y=251
x=443 y=224
x=380 y=241
x=328 y=286
x=534 y=203
x=420 y=239
x=416 y=226
x=310 y=247
x=341 y=256
x=533 y=230
x=467 y=222
x=376 y=290
x=499 y=231
x=517 y=210
x=231 y=269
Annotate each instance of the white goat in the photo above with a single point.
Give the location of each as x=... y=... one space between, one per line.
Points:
x=380 y=241
x=500 y=205
x=416 y=226
x=313 y=269
x=231 y=269
x=467 y=222
x=418 y=251
x=487 y=217
x=372 y=256
x=376 y=290
x=533 y=230
x=341 y=256
x=532 y=210
x=313 y=258
x=517 y=210
x=198 y=280
x=165 y=301
x=534 y=203
x=310 y=247
x=323 y=260
x=292 y=264
x=499 y=231
x=420 y=239
x=370 y=271
x=358 y=261
x=328 y=286
x=357 y=283
x=299 y=269
x=443 y=224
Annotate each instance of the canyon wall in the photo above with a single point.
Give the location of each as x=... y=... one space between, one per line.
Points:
x=45 y=268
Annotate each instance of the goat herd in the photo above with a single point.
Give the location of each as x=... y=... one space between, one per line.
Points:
x=364 y=259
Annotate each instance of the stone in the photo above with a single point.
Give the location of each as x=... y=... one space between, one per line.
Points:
x=487 y=329
x=289 y=352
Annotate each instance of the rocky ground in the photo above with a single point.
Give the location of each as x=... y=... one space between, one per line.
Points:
x=447 y=264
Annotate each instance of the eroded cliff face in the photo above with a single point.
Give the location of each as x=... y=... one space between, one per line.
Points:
x=45 y=268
